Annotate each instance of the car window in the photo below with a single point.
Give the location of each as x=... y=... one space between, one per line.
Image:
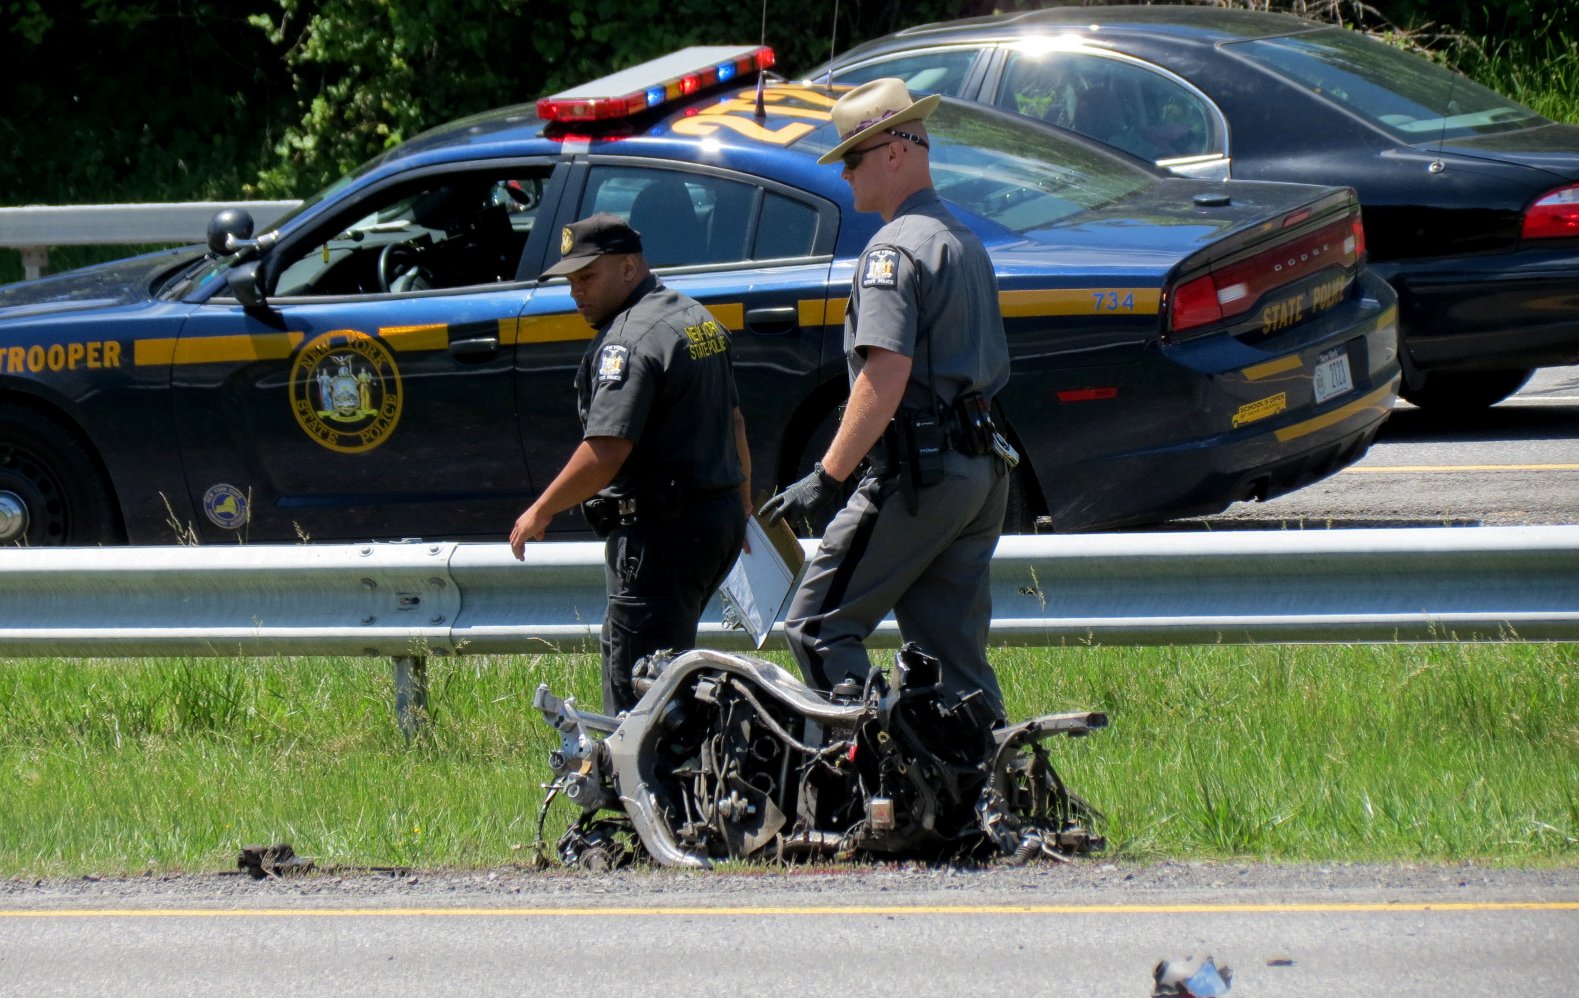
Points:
x=687 y=219
x=941 y=71
x=1406 y=94
x=1023 y=178
x=788 y=229
x=1115 y=101
x=445 y=231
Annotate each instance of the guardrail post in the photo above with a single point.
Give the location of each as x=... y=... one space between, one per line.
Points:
x=34 y=260
x=411 y=694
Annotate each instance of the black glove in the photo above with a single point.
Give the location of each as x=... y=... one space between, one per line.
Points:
x=808 y=503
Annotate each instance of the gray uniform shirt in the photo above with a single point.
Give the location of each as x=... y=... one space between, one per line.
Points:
x=659 y=374
x=925 y=288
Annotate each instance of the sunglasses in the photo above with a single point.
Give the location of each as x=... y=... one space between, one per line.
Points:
x=852 y=159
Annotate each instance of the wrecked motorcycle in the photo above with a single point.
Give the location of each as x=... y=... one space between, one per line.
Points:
x=732 y=757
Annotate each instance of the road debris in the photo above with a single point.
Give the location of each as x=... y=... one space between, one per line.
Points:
x=277 y=860
x=1192 y=977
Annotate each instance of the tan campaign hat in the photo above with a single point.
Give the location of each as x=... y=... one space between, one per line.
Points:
x=582 y=242
x=871 y=108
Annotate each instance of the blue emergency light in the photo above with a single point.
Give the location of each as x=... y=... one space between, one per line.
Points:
x=653 y=83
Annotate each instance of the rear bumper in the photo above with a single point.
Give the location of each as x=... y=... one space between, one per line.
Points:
x=1202 y=483
x=1259 y=432
x=1490 y=313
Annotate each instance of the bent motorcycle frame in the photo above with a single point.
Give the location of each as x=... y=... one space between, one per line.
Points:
x=1019 y=805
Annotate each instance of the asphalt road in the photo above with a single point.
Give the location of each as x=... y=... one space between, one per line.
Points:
x=1092 y=928
x=1516 y=463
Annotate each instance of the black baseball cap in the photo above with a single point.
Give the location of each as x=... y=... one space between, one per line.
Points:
x=582 y=242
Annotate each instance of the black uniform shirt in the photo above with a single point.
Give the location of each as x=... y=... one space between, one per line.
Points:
x=659 y=374
x=925 y=288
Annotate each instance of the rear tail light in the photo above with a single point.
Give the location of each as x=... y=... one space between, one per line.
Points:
x=1233 y=289
x=1196 y=304
x=1553 y=215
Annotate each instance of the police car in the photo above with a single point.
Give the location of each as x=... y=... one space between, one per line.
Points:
x=384 y=363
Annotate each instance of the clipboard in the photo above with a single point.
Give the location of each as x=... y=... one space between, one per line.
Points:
x=759 y=585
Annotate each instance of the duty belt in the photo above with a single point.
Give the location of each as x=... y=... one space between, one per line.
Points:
x=603 y=513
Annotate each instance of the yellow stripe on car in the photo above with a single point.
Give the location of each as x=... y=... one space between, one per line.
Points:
x=1379 y=400
x=569 y=326
x=1256 y=372
x=1079 y=301
x=434 y=336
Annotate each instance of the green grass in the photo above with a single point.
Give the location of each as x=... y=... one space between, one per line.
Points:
x=1541 y=72
x=1442 y=752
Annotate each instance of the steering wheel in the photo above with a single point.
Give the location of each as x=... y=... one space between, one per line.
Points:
x=400 y=269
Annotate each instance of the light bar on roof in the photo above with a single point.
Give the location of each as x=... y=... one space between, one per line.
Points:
x=653 y=83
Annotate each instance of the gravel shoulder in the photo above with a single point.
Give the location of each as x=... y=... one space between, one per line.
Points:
x=1082 y=883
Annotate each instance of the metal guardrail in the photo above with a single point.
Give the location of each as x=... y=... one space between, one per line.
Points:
x=421 y=598
x=410 y=600
x=35 y=228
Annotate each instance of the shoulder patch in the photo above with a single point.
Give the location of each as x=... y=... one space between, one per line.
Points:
x=881 y=269
x=612 y=364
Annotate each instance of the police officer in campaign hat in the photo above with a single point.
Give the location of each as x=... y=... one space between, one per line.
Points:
x=662 y=471
x=926 y=350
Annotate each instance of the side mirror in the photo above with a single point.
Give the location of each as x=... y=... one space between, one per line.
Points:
x=243 y=282
x=226 y=228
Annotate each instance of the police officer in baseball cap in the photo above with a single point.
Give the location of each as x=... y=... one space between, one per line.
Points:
x=662 y=472
x=926 y=352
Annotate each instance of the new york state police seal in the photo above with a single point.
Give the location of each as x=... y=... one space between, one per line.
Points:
x=345 y=391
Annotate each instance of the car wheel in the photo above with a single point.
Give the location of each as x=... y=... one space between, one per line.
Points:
x=51 y=492
x=1017 y=515
x=1456 y=393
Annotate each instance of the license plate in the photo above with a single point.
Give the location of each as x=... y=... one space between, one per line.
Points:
x=1332 y=374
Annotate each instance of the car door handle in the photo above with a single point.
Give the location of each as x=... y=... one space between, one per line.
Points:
x=475 y=348
x=773 y=320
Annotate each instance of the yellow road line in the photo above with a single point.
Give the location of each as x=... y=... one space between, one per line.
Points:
x=805 y=910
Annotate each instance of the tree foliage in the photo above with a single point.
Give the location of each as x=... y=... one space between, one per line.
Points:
x=114 y=100
x=367 y=74
x=127 y=100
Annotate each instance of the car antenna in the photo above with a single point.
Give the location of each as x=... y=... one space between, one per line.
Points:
x=1436 y=165
x=761 y=113
x=833 y=35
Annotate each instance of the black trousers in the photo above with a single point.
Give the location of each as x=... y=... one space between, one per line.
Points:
x=659 y=574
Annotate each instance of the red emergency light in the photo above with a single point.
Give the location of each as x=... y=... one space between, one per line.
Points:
x=654 y=83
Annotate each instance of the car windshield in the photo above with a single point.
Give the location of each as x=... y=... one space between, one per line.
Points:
x=1023 y=177
x=1405 y=94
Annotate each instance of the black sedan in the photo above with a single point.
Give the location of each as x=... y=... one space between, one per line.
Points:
x=1471 y=201
x=386 y=363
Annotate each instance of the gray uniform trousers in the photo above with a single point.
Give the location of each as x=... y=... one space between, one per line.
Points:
x=931 y=570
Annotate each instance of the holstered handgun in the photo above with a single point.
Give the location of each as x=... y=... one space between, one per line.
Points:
x=976 y=433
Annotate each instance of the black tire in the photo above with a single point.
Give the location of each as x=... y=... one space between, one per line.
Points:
x=1463 y=393
x=1017 y=515
x=46 y=467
